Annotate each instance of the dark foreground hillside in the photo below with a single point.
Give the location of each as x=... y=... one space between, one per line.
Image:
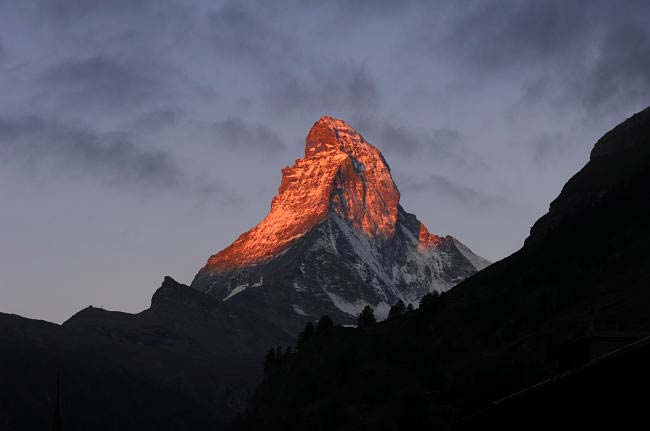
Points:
x=186 y=363
x=584 y=268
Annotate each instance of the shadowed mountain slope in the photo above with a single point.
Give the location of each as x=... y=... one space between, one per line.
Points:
x=585 y=265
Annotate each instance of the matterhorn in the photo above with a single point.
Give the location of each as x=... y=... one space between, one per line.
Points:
x=335 y=240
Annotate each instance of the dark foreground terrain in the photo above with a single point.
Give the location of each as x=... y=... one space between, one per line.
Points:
x=584 y=268
x=185 y=363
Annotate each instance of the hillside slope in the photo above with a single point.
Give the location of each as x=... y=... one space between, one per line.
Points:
x=585 y=265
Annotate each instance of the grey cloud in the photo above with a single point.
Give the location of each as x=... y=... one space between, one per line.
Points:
x=443 y=187
x=444 y=143
x=400 y=139
x=494 y=35
x=440 y=145
x=621 y=69
x=68 y=151
x=239 y=33
x=235 y=133
x=157 y=119
x=595 y=55
x=56 y=150
x=334 y=88
x=549 y=147
x=72 y=10
x=102 y=81
x=69 y=12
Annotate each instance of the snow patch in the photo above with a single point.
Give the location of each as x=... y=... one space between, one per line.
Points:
x=299 y=310
x=235 y=291
x=354 y=308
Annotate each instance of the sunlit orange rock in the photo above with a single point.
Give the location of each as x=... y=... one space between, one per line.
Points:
x=427 y=240
x=335 y=240
x=342 y=174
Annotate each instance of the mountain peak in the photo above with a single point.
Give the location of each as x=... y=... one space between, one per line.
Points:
x=325 y=135
x=341 y=174
x=335 y=240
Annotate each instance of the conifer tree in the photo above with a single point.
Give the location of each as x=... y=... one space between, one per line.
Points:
x=324 y=324
x=397 y=309
x=366 y=318
x=305 y=335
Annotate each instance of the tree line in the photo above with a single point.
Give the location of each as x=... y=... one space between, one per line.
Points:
x=275 y=357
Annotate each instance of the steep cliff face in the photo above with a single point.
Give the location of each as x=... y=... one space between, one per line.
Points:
x=341 y=174
x=336 y=239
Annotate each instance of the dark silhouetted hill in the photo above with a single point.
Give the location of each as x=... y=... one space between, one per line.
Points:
x=186 y=363
x=586 y=265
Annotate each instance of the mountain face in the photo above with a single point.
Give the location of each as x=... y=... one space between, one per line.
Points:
x=584 y=269
x=336 y=239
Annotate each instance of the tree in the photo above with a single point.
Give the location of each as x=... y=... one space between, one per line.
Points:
x=305 y=335
x=397 y=309
x=429 y=300
x=366 y=318
x=409 y=308
x=324 y=324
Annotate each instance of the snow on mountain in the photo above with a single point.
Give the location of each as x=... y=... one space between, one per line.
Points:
x=335 y=240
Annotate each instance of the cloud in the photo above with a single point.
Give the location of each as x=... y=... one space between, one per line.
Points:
x=154 y=120
x=443 y=143
x=441 y=146
x=71 y=12
x=235 y=133
x=63 y=151
x=506 y=34
x=56 y=150
x=550 y=147
x=596 y=56
x=241 y=34
x=442 y=187
x=336 y=88
x=102 y=81
x=39 y=147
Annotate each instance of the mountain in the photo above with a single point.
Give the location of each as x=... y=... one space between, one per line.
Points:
x=336 y=239
x=584 y=268
x=186 y=363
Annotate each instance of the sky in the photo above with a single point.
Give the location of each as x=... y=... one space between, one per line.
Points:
x=139 y=138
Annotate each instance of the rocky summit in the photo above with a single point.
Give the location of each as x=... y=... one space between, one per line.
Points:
x=336 y=239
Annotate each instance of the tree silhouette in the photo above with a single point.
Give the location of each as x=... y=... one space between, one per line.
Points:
x=305 y=335
x=430 y=300
x=409 y=308
x=324 y=324
x=366 y=318
x=397 y=310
